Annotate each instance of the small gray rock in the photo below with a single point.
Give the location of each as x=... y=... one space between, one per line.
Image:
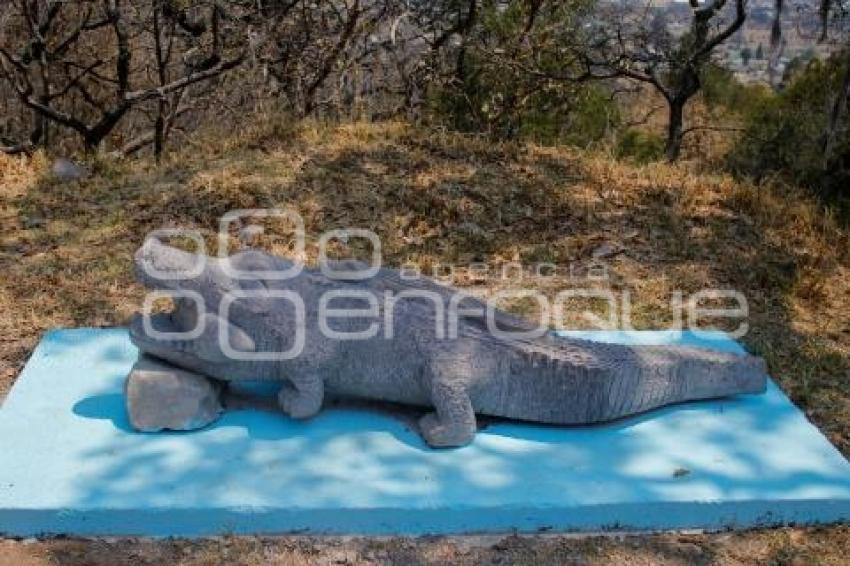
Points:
x=471 y=229
x=66 y=170
x=31 y=222
x=607 y=250
x=160 y=396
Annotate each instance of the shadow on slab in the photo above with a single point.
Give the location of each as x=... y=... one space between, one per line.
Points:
x=351 y=456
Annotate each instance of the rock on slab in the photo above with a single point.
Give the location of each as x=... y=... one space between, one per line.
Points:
x=162 y=397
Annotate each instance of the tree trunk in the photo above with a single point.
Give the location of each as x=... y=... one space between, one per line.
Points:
x=673 y=145
x=159 y=133
x=90 y=144
x=159 y=125
x=838 y=109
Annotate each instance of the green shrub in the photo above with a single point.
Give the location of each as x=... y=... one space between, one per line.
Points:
x=784 y=132
x=640 y=146
x=721 y=89
x=486 y=95
x=505 y=105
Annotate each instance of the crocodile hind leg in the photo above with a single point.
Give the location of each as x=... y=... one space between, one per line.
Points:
x=453 y=422
x=301 y=397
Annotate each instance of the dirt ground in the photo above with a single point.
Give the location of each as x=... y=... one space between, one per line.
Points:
x=436 y=199
x=776 y=546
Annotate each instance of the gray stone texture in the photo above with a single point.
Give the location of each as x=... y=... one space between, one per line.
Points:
x=160 y=396
x=545 y=379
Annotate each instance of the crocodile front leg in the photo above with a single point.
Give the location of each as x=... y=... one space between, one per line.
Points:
x=453 y=422
x=301 y=397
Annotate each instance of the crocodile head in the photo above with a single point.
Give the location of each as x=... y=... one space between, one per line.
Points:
x=190 y=336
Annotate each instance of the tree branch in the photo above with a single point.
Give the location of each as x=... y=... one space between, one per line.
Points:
x=159 y=92
x=740 y=18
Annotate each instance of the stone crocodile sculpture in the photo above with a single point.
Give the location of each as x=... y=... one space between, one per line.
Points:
x=473 y=370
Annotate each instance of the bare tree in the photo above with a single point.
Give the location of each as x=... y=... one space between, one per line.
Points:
x=445 y=28
x=673 y=66
x=308 y=48
x=74 y=60
x=561 y=42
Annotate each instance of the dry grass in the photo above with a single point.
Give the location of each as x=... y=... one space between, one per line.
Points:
x=437 y=198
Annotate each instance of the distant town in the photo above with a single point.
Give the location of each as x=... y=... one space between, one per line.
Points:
x=748 y=54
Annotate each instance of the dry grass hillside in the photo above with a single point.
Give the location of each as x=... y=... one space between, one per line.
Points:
x=437 y=198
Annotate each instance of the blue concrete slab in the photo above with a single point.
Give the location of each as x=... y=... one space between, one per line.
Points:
x=70 y=464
